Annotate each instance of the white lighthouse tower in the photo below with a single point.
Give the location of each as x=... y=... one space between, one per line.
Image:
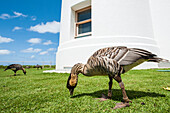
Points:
x=88 y=25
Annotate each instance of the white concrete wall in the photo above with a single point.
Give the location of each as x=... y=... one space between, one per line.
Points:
x=160 y=10
x=122 y=18
x=114 y=23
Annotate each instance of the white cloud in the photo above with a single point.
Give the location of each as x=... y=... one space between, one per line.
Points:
x=31 y=50
x=33 y=56
x=48 y=42
x=5 y=16
x=5 y=40
x=16 y=14
x=5 y=52
x=51 y=49
x=33 y=18
x=51 y=27
x=44 y=52
x=16 y=28
x=34 y=40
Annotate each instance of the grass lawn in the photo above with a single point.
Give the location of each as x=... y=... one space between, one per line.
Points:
x=47 y=92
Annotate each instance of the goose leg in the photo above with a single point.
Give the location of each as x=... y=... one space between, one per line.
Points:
x=125 y=97
x=103 y=98
x=119 y=80
x=14 y=73
x=110 y=87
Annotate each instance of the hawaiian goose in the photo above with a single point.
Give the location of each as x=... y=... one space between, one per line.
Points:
x=111 y=61
x=15 y=68
x=38 y=66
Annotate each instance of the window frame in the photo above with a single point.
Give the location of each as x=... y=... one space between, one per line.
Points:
x=81 y=22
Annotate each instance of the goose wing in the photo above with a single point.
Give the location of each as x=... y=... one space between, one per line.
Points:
x=15 y=66
x=111 y=52
x=133 y=55
x=123 y=55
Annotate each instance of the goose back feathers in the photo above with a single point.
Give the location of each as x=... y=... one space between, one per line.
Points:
x=123 y=56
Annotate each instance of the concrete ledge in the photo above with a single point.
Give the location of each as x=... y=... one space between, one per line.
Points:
x=56 y=71
x=164 y=65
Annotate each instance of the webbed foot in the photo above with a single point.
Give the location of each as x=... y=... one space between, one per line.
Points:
x=122 y=105
x=103 y=98
x=127 y=100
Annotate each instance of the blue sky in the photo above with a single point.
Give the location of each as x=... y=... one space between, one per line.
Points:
x=29 y=30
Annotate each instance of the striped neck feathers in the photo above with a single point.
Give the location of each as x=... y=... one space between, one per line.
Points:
x=73 y=78
x=77 y=68
x=24 y=71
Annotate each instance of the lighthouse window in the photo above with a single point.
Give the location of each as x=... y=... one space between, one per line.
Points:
x=83 y=22
x=84 y=15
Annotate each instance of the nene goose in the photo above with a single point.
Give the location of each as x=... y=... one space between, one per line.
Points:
x=38 y=66
x=15 y=68
x=111 y=61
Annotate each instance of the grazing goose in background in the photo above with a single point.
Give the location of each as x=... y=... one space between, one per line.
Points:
x=38 y=66
x=15 y=68
x=112 y=62
x=27 y=67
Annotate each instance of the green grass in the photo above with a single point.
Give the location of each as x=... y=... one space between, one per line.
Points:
x=45 y=92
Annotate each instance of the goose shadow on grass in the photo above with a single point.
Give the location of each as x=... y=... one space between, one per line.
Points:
x=14 y=75
x=117 y=94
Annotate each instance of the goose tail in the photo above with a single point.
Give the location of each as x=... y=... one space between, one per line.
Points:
x=157 y=59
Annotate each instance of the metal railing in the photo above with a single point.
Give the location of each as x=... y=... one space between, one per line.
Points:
x=24 y=62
